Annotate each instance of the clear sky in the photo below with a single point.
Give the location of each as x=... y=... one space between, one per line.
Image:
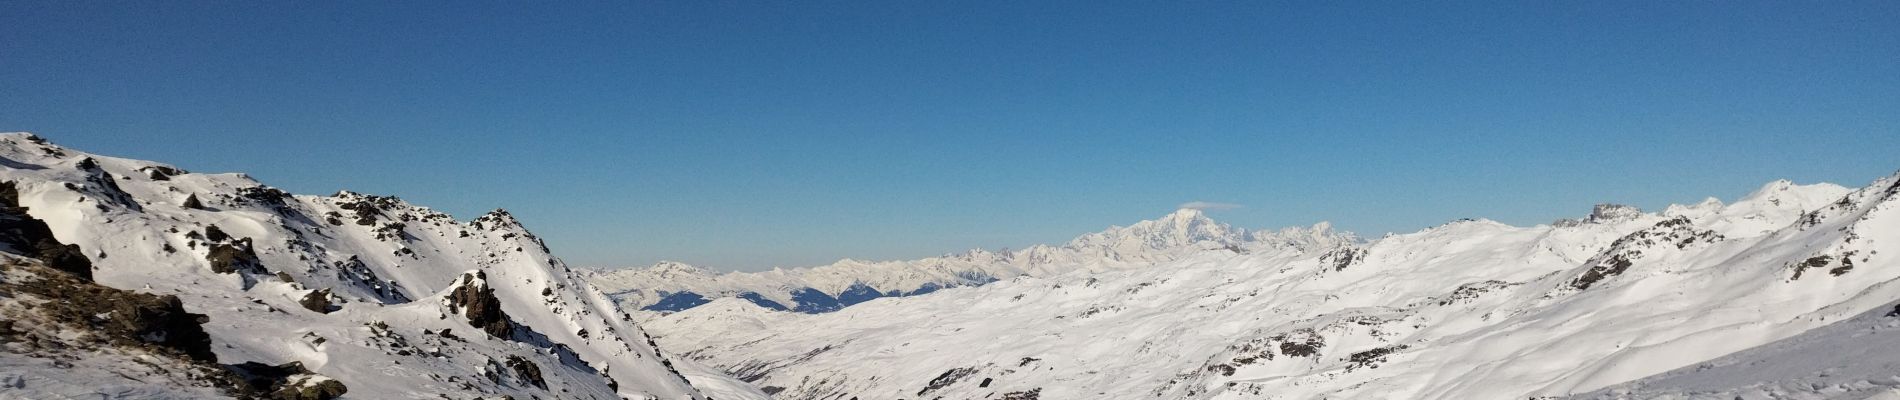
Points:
x=749 y=135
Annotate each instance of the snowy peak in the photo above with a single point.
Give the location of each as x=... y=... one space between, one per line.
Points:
x=1770 y=190
x=1181 y=228
x=1807 y=196
x=678 y=270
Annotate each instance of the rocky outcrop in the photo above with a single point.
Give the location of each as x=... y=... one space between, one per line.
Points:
x=473 y=299
x=161 y=172
x=30 y=237
x=288 y=381
x=1671 y=234
x=1606 y=212
x=192 y=202
x=318 y=300
x=230 y=255
x=527 y=371
x=117 y=317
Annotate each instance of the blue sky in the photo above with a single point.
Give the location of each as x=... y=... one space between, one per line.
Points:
x=749 y=135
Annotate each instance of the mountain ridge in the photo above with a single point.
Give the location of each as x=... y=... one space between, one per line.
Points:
x=671 y=286
x=359 y=288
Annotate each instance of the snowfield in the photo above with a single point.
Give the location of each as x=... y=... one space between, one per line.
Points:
x=1473 y=309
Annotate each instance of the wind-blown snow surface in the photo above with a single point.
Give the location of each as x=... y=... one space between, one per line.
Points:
x=404 y=281
x=1473 y=309
x=672 y=286
x=1850 y=359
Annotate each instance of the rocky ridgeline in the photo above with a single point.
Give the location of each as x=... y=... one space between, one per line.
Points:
x=324 y=291
x=47 y=294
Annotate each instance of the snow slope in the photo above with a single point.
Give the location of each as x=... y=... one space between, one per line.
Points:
x=1850 y=359
x=394 y=300
x=1470 y=309
x=672 y=286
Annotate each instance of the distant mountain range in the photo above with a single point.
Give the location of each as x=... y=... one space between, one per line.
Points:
x=672 y=286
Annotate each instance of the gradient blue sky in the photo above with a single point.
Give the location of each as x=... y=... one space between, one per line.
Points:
x=749 y=135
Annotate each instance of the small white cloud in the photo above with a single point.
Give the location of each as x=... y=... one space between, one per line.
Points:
x=1209 y=205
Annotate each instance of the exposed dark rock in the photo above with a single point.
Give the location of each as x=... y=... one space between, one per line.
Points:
x=1613 y=265
x=228 y=258
x=1847 y=264
x=1606 y=212
x=527 y=371
x=276 y=200
x=1302 y=344
x=476 y=301
x=356 y=271
x=1820 y=261
x=214 y=234
x=101 y=183
x=319 y=301
x=125 y=317
x=30 y=237
x=228 y=254
x=1342 y=257
x=1371 y=358
x=161 y=173
x=1678 y=232
x=310 y=388
x=161 y=320
x=1222 y=369
x=496 y=220
x=288 y=381
x=157 y=325
x=949 y=377
x=1473 y=290
x=367 y=208
x=1031 y=394
x=192 y=202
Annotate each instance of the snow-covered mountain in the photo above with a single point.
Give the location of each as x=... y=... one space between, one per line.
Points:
x=387 y=299
x=1473 y=309
x=672 y=286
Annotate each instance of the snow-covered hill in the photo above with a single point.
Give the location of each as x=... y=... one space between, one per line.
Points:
x=1850 y=359
x=1473 y=309
x=391 y=299
x=672 y=286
